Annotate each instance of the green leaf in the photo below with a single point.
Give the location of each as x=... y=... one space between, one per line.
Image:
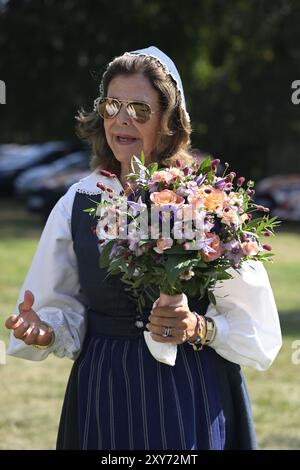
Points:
x=176 y=265
x=90 y=210
x=205 y=166
x=176 y=250
x=104 y=258
x=152 y=168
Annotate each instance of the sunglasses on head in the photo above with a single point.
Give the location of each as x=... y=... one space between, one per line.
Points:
x=108 y=108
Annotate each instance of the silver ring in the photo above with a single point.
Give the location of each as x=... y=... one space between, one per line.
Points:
x=167 y=332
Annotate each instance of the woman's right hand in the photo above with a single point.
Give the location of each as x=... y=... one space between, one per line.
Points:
x=28 y=326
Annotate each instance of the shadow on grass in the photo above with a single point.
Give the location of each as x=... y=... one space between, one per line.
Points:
x=290 y=323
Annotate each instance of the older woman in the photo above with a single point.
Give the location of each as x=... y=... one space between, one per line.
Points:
x=118 y=395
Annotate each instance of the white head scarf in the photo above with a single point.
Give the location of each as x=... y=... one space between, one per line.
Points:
x=168 y=66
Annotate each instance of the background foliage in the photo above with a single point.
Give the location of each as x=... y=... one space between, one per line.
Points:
x=237 y=60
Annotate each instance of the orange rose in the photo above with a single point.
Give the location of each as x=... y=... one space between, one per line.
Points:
x=166 y=197
x=216 y=245
x=214 y=200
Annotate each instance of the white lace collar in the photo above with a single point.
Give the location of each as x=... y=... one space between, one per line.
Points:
x=88 y=185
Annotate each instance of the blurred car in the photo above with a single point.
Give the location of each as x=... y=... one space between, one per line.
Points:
x=43 y=199
x=33 y=179
x=8 y=149
x=281 y=194
x=15 y=160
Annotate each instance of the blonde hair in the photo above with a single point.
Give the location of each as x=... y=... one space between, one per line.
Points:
x=174 y=141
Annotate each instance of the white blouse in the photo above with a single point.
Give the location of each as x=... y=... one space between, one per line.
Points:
x=248 y=329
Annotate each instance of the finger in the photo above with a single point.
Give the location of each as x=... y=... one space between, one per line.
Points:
x=163 y=339
x=19 y=322
x=45 y=337
x=164 y=321
x=31 y=338
x=11 y=321
x=27 y=302
x=159 y=330
x=170 y=312
x=21 y=330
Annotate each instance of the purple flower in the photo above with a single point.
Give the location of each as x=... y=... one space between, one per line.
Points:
x=200 y=179
x=114 y=250
x=221 y=184
x=204 y=245
x=233 y=251
x=132 y=195
x=216 y=227
x=137 y=207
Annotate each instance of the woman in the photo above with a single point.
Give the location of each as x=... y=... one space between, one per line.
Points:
x=118 y=395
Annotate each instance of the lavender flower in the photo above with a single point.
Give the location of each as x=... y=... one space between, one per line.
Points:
x=221 y=183
x=137 y=207
x=200 y=179
x=233 y=252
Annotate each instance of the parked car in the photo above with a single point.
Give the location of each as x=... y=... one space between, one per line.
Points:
x=9 y=149
x=33 y=179
x=43 y=199
x=281 y=194
x=13 y=161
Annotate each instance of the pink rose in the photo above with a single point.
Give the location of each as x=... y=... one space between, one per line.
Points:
x=163 y=244
x=230 y=217
x=250 y=248
x=162 y=176
x=175 y=172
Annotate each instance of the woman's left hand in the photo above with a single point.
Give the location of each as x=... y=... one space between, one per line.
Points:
x=179 y=322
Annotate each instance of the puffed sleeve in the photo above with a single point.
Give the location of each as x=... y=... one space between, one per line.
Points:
x=53 y=279
x=246 y=317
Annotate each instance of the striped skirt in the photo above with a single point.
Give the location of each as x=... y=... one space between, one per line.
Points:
x=120 y=398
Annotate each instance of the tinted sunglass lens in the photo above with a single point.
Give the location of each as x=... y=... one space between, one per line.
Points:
x=108 y=108
x=139 y=111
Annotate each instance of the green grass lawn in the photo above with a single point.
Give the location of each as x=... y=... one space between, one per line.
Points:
x=31 y=393
x=275 y=393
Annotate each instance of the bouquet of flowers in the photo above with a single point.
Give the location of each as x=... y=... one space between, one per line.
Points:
x=179 y=228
